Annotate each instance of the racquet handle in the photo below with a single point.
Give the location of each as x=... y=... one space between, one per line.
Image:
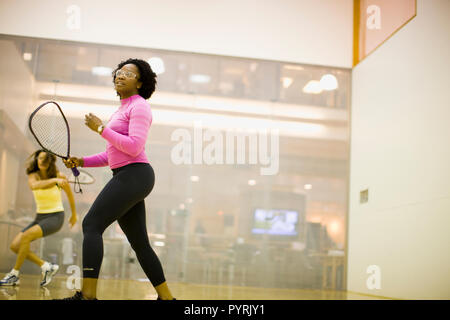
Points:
x=75 y=171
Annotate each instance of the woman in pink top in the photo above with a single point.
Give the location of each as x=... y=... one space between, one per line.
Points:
x=122 y=198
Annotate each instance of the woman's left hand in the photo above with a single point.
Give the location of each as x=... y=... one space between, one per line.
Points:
x=92 y=121
x=73 y=220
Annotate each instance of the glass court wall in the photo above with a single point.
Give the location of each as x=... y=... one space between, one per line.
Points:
x=250 y=156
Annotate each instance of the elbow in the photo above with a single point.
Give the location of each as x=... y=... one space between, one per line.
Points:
x=34 y=186
x=134 y=150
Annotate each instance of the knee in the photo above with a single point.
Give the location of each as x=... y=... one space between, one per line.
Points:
x=14 y=247
x=89 y=226
x=86 y=224
x=141 y=246
x=26 y=238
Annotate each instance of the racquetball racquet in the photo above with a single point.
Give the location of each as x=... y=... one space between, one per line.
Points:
x=50 y=128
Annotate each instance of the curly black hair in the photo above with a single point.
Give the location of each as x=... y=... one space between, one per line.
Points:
x=147 y=76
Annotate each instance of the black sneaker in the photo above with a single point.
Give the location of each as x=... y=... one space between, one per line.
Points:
x=78 y=296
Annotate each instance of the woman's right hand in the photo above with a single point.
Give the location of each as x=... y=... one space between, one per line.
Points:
x=62 y=183
x=73 y=162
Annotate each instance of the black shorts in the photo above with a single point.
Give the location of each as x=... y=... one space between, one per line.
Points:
x=49 y=222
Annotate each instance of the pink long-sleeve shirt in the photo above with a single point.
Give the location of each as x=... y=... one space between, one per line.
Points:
x=126 y=134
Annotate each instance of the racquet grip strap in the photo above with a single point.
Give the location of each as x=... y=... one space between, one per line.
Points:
x=77 y=182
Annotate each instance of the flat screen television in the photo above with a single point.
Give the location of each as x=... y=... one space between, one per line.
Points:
x=277 y=222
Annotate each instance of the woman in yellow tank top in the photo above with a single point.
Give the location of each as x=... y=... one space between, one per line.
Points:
x=46 y=182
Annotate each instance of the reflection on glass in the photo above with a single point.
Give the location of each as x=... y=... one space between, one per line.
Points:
x=210 y=223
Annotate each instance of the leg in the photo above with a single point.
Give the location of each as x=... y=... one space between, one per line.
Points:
x=93 y=228
x=127 y=187
x=116 y=198
x=15 y=246
x=28 y=236
x=134 y=226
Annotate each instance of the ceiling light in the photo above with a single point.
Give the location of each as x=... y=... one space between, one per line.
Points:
x=200 y=78
x=251 y=182
x=313 y=87
x=253 y=66
x=286 y=82
x=328 y=82
x=234 y=71
x=27 y=56
x=334 y=227
x=308 y=186
x=294 y=67
x=101 y=71
x=157 y=65
x=194 y=178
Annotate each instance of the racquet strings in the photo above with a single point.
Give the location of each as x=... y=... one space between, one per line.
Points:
x=50 y=129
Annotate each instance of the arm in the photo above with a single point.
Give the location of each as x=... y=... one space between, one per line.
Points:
x=68 y=191
x=34 y=183
x=96 y=160
x=134 y=143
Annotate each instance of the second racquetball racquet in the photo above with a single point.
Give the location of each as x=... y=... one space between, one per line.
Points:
x=84 y=178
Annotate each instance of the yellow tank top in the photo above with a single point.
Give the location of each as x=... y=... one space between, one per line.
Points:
x=48 y=200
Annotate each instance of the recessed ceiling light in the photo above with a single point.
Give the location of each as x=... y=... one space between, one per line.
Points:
x=194 y=178
x=308 y=186
x=251 y=182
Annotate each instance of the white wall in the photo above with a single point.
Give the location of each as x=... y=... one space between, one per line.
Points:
x=16 y=85
x=302 y=31
x=400 y=151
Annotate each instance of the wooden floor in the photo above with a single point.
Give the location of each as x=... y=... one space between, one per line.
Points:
x=115 y=289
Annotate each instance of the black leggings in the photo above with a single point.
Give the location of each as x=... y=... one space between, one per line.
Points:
x=122 y=199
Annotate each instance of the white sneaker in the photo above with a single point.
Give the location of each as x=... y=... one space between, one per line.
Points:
x=10 y=280
x=48 y=273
